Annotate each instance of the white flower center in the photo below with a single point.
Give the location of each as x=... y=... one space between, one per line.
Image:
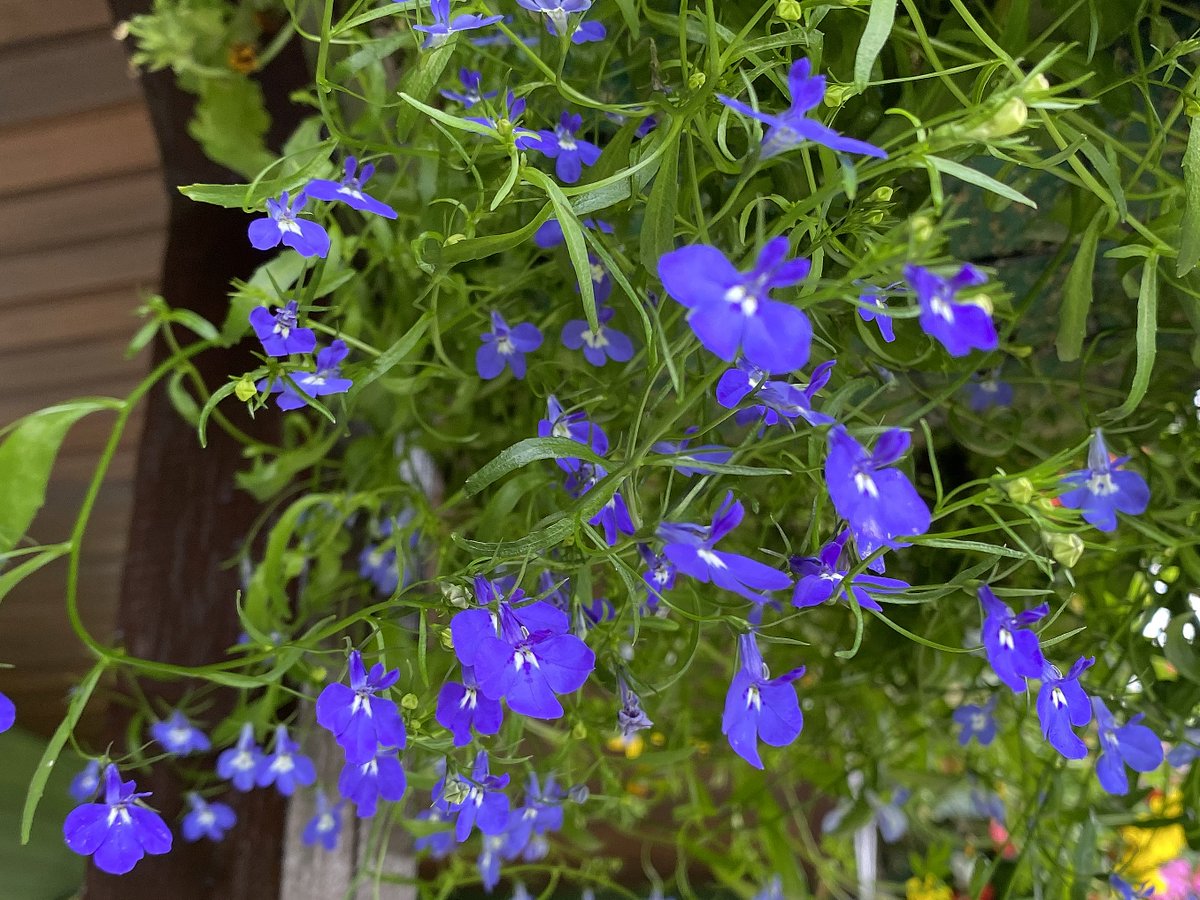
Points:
x=1101 y=484
x=179 y=735
x=206 y=817
x=753 y=698
x=943 y=310
x=711 y=559
x=866 y=484
x=1059 y=698
x=524 y=658
x=742 y=298
x=1006 y=639
x=504 y=345
x=595 y=339
x=326 y=822
x=469 y=700
x=243 y=761
x=351 y=192
x=283 y=763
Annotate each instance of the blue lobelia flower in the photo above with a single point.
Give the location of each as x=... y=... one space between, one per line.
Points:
x=570 y=154
x=326 y=824
x=504 y=346
x=976 y=723
x=282 y=223
x=659 y=575
x=280 y=334
x=444 y=27
x=874 y=310
x=584 y=33
x=1132 y=744
x=472 y=92
x=239 y=764
x=823 y=577
x=520 y=892
x=791 y=128
x=985 y=393
x=777 y=400
x=379 y=564
x=440 y=843
x=461 y=707
x=706 y=453
x=86 y=782
x=285 y=768
x=361 y=721
x=1104 y=488
x=631 y=718
x=613 y=516
x=488 y=861
x=1184 y=753
x=550 y=233
x=758 y=706
x=541 y=812
x=1127 y=891
x=1013 y=651
x=1061 y=703
x=478 y=800
x=379 y=778
x=179 y=736
x=690 y=548
x=514 y=108
x=8 y=713
x=326 y=380
x=557 y=11
x=601 y=345
x=350 y=190
x=731 y=310
x=206 y=820
x=960 y=327
x=879 y=502
x=574 y=425
x=772 y=890
x=118 y=832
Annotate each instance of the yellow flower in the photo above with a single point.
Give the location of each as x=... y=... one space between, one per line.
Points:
x=929 y=888
x=1145 y=849
x=631 y=746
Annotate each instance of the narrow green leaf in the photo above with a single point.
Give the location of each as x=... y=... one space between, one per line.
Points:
x=420 y=83
x=489 y=245
x=658 y=228
x=14 y=576
x=1077 y=292
x=1146 y=339
x=455 y=122
x=575 y=241
x=879 y=26
x=522 y=454
x=1189 y=228
x=217 y=396
x=395 y=354
x=971 y=176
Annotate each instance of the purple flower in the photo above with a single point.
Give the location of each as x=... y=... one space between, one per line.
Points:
x=350 y=190
x=239 y=764
x=439 y=843
x=1013 y=651
x=1127 y=891
x=556 y=593
x=1132 y=745
x=984 y=393
x=1187 y=751
x=179 y=736
x=713 y=454
x=976 y=722
x=204 y=819
x=86 y=782
x=1061 y=703
x=772 y=890
x=570 y=154
x=463 y=706
x=874 y=311
x=365 y=784
x=601 y=345
x=279 y=333
x=443 y=27
x=118 y=832
x=285 y=768
x=690 y=548
x=878 y=502
x=960 y=327
x=777 y=400
x=659 y=575
x=488 y=861
x=731 y=310
x=1104 y=488
x=540 y=813
x=326 y=380
x=504 y=346
x=613 y=517
x=360 y=721
x=631 y=718
x=575 y=426
x=378 y=563
x=556 y=11
x=8 y=713
x=791 y=128
x=584 y=33
x=281 y=224
x=824 y=577
x=550 y=233
x=325 y=825
x=758 y=706
x=478 y=800
x=514 y=107
x=471 y=92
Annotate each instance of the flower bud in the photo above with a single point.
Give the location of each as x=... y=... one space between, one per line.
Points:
x=578 y=793
x=874 y=217
x=579 y=731
x=696 y=81
x=446 y=639
x=456 y=595
x=245 y=389
x=881 y=195
x=409 y=701
x=789 y=10
x=1008 y=119
x=922 y=228
x=1065 y=548
x=837 y=94
x=454 y=239
x=1019 y=490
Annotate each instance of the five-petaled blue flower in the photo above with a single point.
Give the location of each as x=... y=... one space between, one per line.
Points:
x=478 y=800
x=540 y=812
x=976 y=723
x=504 y=346
x=179 y=736
x=879 y=502
x=325 y=825
x=206 y=820
x=86 y=782
x=613 y=516
x=472 y=92
x=574 y=425
x=1062 y=703
x=284 y=767
x=584 y=33
x=659 y=575
x=570 y=154
x=824 y=577
x=874 y=309
x=280 y=334
x=731 y=310
x=360 y=720
x=1132 y=744
x=550 y=233
x=1013 y=651
x=282 y=223
x=1104 y=488
x=461 y=707
x=440 y=844
x=118 y=832
x=239 y=764
x=350 y=190
x=776 y=400
x=631 y=718
x=444 y=27
x=984 y=393
x=791 y=128
x=557 y=11
x=600 y=345
x=960 y=327
x=379 y=778
x=759 y=706
x=326 y=380
x=514 y=108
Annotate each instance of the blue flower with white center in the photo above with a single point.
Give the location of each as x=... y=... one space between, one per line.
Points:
x=1013 y=651
x=350 y=190
x=823 y=577
x=600 y=345
x=326 y=824
x=478 y=800
x=508 y=125
x=118 y=832
x=690 y=548
x=540 y=813
x=472 y=91
x=1132 y=744
x=631 y=718
x=730 y=310
x=440 y=844
x=444 y=27
x=584 y=33
x=361 y=721
x=889 y=817
x=326 y=380
x=793 y=127
x=988 y=392
x=1062 y=703
x=659 y=576
x=86 y=782
x=520 y=892
x=759 y=707
x=488 y=861
x=613 y=516
x=574 y=425
x=379 y=778
x=504 y=346
x=1127 y=891
x=179 y=736
x=878 y=502
x=707 y=453
x=570 y=153
x=550 y=233
x=874 y=309
x=1184 y=753
x=772 y=890
x=461 y=707
x=284 y=767
x=556 y=11
x=206 y=820
x=379 y=564
x=777 y=400
x=280 y=333
x=1105 y=488
x=959 y=327
x=976 y=723
x=282 y=223
x=239 y=764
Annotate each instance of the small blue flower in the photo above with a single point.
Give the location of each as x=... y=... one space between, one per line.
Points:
x=1128 y=892
x=504 y=346
x=461 y=707
x=8 y=713
x=326 y=380
x=443 y=27
x=707 y=453
x=478 y=800
x=584 y=33
x=206 y=820
x=86 y=782
x=379 y=778
x=282 y=224
x=239 y=764
x=793 y=127
x=777 y=400
x=379 y=564
x=984 y=393
x=760 y=707
x=824 y=577
x=730 y=310
x=557 y=11
x=326 y=824
x=631 y=718
x=772 y=890
x=1013 y=651
x=350 y=190
x=471 y=94
x=440 y=844
x=1104 y=488
x=874 y=309
x=488 y=861
x=960 y=327
x=976 y=723
x=1062 y=703
x=574 y=425
x=659 y=575
x=540 y=813
x=285 y=768
x=118 y=832
x=1132 y=745
x=614 y=518
x=1186 y=752
x=514 y=108
x=280 y=334
x=179 y=736
x=570 y=153
x=361 y=721
x=601 y=345
x=550 y=233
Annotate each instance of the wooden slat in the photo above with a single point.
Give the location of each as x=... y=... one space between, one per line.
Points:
x=71 y=319
x=76 y=268
x=27 y=20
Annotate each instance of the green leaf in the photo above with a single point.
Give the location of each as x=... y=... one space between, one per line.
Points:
x=1180 y=653
x=522 y=454
x=456 y=122
x=420 y=83
x=231 y=124
x=1146 y=339
x=482 y=247
x=1189 y=228
x=658 y=228
x=14 y=576
x=879 y=27
x=395 y=354
x=971 y=176
x=1077 y=292
x=26 y=458
x=575 y=241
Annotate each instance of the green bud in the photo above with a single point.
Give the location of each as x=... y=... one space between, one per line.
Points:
x=881 y=195
x=1192 y=108
x=1008 y=119
x=319 y=674
x=409 y=701
x=922 y=228
x=446 y=639
x=579 y=732
x=789 y=10
x=454 y=239
x=455 y=790
x=456 y=595
x=1020 y=490
x=874 y=217
x=1065 y=548
x=245 y=389
x=696 y=81
x=837 y=94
